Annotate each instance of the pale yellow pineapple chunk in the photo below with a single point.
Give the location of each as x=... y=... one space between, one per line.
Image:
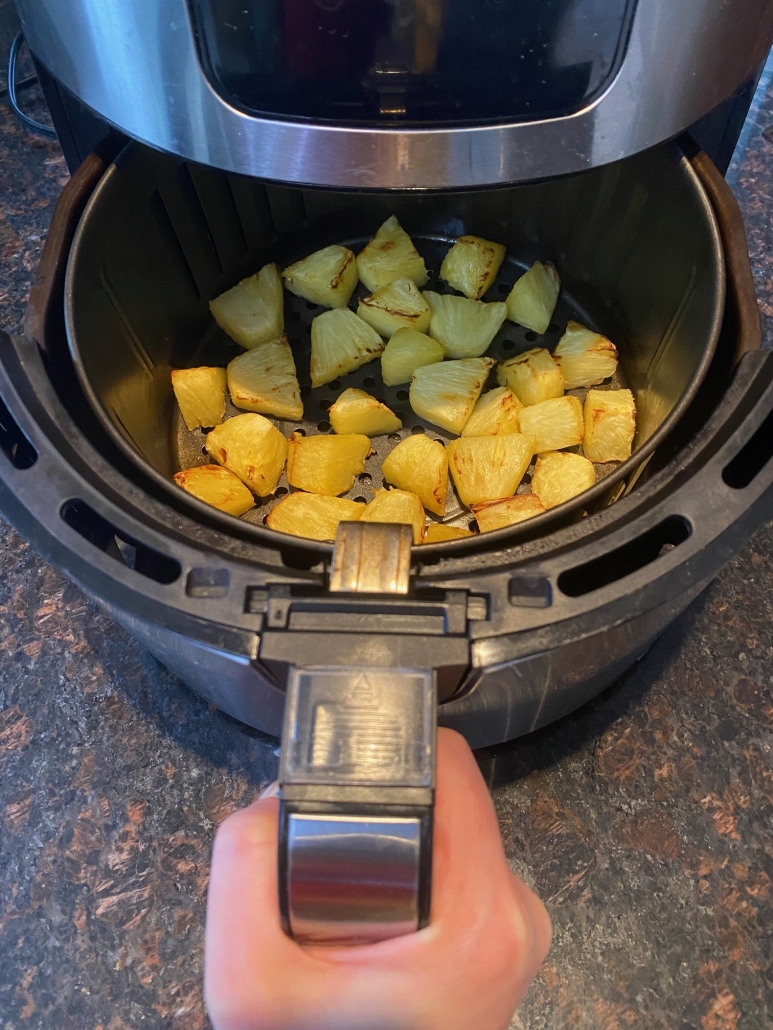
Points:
x=216 y=486
x=507 y=512
x=553 y=424
x=340 y=342
x=532 y=376
x=471 y=265
x=397 y=506
x=406 y=351
x=610 y=425
x=464 y=327
x=438 y=532
x=398 y=305
x=559 y=476
x=585 y=358
x=357 y=412
x=420 y=465
x=252 y=312
x=200 y=392
x=495 y=414
x=532 y=300
x=312 y=515
x=485 y=468
x=390 y=255
x=264 y=380
x=252 y=448
x=326 y=277
x=445 y=393
x=326 y=464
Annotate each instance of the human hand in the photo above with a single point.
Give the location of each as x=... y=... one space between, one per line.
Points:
x=467 y=970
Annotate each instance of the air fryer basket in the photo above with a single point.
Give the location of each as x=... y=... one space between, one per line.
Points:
x=636 y=244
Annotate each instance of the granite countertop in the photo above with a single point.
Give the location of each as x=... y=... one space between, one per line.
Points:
x=645 y=820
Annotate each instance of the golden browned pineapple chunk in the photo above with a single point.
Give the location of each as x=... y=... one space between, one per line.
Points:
x=326 y=277
x=398 y=305
x=216 y=486
x=357 y=412
x=610 y=425
x=471 y=265
x=397 y=506
x=420 y=465
x=312 y=515
x=445 y=393
x=485 y=468
x=406 y=351
x=341 y=342
x=252 y=312
x=326 y=464
x=532 y=376
x=390 y=255
x=507 y=512
x=532 y=300
x=252 y=448
x=585 y=358
x=200 y=392
x=464 y=327
x=437 y=533
x=495 y=414
x=553 y=424
x=558 y=476
x=264 y=380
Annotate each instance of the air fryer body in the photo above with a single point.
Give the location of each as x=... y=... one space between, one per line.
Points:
x=411 y=94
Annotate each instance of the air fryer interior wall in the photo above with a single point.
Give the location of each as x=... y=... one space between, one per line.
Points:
x=635 y=242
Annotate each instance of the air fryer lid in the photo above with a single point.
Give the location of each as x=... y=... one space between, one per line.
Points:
x=636 y=244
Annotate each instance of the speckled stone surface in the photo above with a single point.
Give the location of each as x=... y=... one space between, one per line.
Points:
x=645 y=820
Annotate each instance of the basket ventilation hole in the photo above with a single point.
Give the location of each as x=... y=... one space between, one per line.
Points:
x=15 y=445
x=752 y=458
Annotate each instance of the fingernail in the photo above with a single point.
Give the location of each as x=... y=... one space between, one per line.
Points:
x=271 y=791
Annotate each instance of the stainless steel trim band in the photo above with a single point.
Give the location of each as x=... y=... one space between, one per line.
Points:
x=136 y=65
x=357 y=779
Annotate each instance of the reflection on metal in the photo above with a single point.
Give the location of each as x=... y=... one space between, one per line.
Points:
x=352 y=880
x=371 y=558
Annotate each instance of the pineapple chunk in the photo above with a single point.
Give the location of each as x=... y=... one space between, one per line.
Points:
x=200 y=392
x=495 y=414
x=357 y=412
x=486 y=468
x=252 y=312
x=553 y=424
x=340 y=342
x=326 y=277
x=532 y=376
x=405 y=352
x=390 y=255
x=464 y=327
x=420 y=465
x=216 y=486
x=397 y=506
x=312 y=515
x=398 y=305
x=508 y=512
x=252 y=448
x=584 y=357
x=610 y=425
x=326 y=464
x=438 y=532
x=559 y=476
x=445 y=393
x=532 y=300
x=264 y=380
x=471 y=265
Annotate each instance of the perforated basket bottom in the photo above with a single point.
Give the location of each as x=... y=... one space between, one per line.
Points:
x=217 y=349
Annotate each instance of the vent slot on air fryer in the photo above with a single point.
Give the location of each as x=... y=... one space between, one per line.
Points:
x=124 y=549
x=752 y=458
x=17 y=448
x=625 y=560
